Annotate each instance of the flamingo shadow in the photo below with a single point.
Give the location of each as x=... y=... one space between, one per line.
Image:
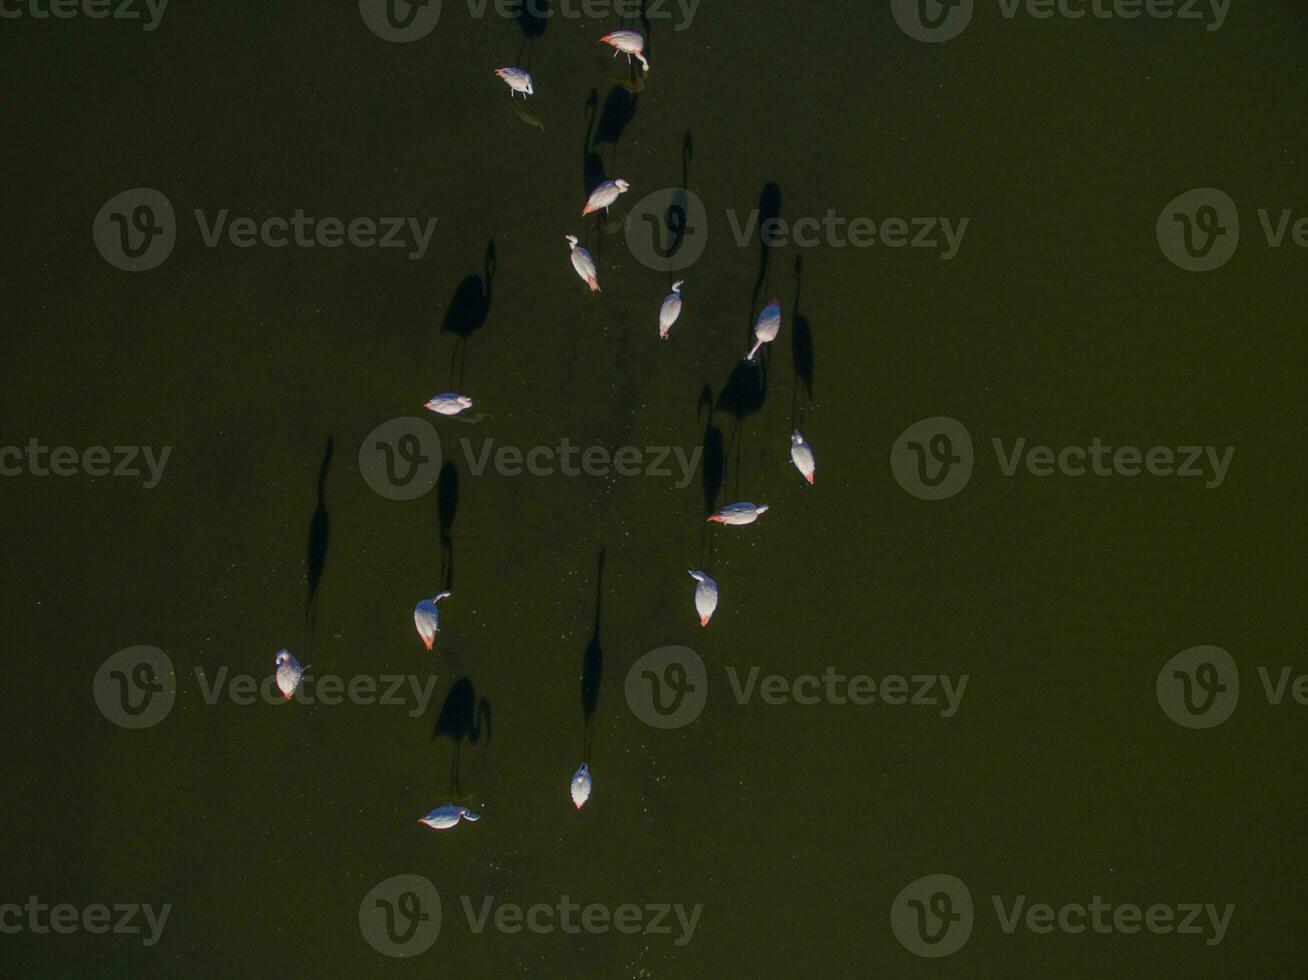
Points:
x=462 y=718
x=711 y=469
x=743 y=395
x=316 y=557
x=468 y=309
x=447 y=505
x=532 y=18
x=769 y=210
x=801 y=351
x=592 y=668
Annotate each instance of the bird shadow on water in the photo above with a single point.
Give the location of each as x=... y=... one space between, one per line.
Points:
x=316 y=558
x=743 y=395
x=447 y=505
x=618 y=112
x=801 y=350
x=604 y=127
x=467 y=312
x=769 y=210
x=592 y=164
x=592 y=668
x=464 y=717
x=532 y=19
x=713 y=463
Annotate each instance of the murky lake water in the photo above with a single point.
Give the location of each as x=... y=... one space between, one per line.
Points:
x=893 y=686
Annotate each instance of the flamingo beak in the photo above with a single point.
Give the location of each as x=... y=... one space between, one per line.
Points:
x=810 y=479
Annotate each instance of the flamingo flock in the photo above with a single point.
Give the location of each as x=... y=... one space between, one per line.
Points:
x=426 y=614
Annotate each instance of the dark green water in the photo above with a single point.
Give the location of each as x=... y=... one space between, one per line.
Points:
x=1059 y=777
